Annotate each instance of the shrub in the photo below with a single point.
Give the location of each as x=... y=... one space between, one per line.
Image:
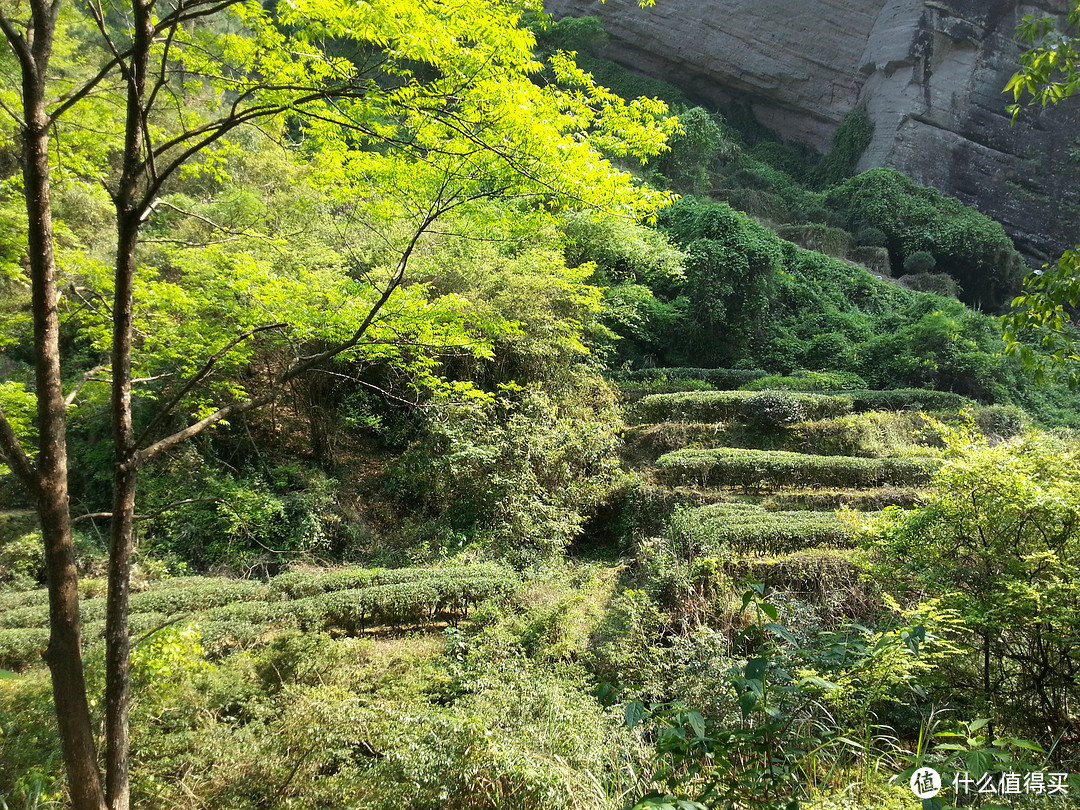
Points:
x=17 y=599
x=817 y=214
x=937 y=283
x=849 y=142
x=871 y=435
x=809 y=381
x=731 y=262
x=974 y=248
x=921 y=261
x=208 y=593
x=898 y=399
x=870 y=237
x=753 y=469
x=819 y=237
x=720 y=406
x=756 y=203
x=22 y=560
x=406 y=597
x=692 y=153
x=722 y=379
x=718 y=529
x=773 y=409
x=865 y=500
x=20 y=648
x=1000 y=421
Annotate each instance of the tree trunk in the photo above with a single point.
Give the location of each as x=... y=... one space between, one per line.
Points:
x=129 y=212
x=122 y=536
x=64 y=653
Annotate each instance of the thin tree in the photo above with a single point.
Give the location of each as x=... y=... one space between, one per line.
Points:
x=149 y=53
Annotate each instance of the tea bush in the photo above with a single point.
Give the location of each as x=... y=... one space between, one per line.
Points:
x=719 y=529
x=22 y=647
x=754 y=469
x=720 y=406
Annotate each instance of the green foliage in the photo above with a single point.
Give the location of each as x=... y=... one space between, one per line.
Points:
x=871 y=237
x=808 y=381
x=873 y=434
x=942 y=346
x=719 y=378
x=169 y=654
x=747 y=529
x=21 y=648
x=997 y=539
x=937 y=283
x=22 y=560
x=900 y=399
x=849 y=142
x=729 y=268
x=693 y=152
x=1049 y=69
x=516 y=476
x=973 y=249
x=1041 y=316
x=751 y=760
x=921 y=261
x=262 y=517
x=583 y=35
x=818 y=237
x=773 y=409
x=755 y=469
x=720 y=406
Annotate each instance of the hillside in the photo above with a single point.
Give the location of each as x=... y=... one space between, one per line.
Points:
x=395 y=415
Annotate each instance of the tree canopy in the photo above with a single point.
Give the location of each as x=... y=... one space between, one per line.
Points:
x=389 y=118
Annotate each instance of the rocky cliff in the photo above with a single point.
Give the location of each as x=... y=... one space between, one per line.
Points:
x=929 y=74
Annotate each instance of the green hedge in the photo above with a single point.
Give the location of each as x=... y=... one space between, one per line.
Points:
x=722 y=379
x=910 y=399
x=862 y=500
x=750 y=529
x=449 y=593
x=347 y=600
x=17 y=599
x=296 y=585
x=752 y=469
x=30 y=616
x=808 y=381
x=22 y=647
x=872 y=434
x=720 y=406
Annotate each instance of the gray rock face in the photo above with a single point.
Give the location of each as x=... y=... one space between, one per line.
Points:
x=929 y=75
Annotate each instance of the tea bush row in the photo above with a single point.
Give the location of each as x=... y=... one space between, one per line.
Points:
x=719 y=406
x=418 y=601
x=450 y=591
x=722 y=379
x=21 y=647
x=754 y=469
x=295 y=585
x=750 y=529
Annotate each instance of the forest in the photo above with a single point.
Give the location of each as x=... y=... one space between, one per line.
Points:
x=404 y=406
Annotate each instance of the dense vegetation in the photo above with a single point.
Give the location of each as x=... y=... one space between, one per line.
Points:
x=743 y=508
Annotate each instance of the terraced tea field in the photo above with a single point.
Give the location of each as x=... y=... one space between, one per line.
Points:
x=753 y=478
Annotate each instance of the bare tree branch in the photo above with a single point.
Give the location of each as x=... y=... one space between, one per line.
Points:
x=69 y=400
x=15 y=456
x=149 y=515
x=18 y=44
x=200 y=375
